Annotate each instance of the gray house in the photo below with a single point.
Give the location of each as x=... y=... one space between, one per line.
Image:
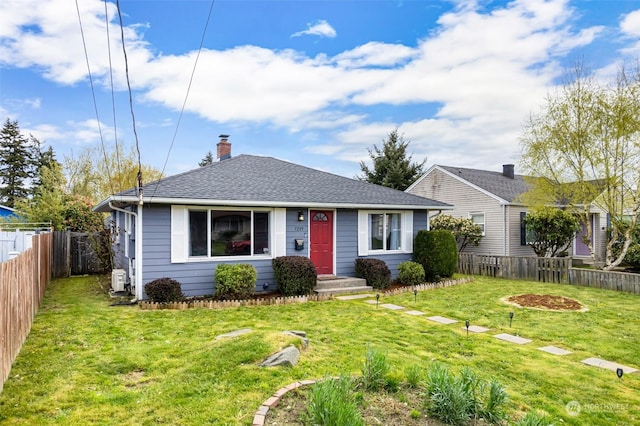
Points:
x=490 y=199
x=250 y=209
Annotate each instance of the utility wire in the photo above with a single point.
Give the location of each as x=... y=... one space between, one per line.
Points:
x=184 y=103
x=113 y=99
x=93 y=93
x=133 y=116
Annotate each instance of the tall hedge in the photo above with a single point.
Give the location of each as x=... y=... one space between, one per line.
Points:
x=294 y=275
x=437 y=252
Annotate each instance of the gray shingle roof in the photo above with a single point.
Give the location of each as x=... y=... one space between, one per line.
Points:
x=494 y=182
x=263 y=180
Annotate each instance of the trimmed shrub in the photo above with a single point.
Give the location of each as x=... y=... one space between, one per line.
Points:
x=437 y=252
x=294 y=275
x=164 y=290
x=375 y=271
x=235 y=281
x=410 y=273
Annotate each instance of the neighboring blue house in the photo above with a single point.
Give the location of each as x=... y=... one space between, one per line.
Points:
x=250 y=209
x=6 y=211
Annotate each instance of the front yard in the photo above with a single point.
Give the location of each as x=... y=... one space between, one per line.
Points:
x=88 y=362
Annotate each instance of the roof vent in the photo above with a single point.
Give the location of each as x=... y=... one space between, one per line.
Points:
x=224 y=148
x=508 y=171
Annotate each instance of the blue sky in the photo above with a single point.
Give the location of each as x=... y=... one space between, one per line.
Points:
x=311 y=82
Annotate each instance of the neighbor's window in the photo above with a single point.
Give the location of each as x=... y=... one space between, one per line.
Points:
x=385 y=231
x=228 y=233
x=478 y=219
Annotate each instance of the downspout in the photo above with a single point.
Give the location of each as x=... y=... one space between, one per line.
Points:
x=138 y=276
x=431 y=217
x=504 y=230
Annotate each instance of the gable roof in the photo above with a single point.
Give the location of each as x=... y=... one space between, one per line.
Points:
x=250 y=180
x=494 y=184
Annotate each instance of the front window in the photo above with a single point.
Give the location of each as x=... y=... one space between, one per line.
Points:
x=478 y=219
x=218 y=233
x=385 y=231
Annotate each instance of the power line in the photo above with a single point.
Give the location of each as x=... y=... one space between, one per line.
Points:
x=113 y=99
x=93 y=93
x=133 y=116
x=184 y=103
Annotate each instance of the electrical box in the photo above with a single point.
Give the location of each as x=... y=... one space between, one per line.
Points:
x=118 y=278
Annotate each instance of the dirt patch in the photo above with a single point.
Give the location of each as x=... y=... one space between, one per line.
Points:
x=545 y=301
x=405 y=407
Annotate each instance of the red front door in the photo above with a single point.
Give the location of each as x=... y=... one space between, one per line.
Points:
x=321 y=240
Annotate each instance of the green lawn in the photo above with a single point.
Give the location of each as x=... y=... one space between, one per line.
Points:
x=88 y=362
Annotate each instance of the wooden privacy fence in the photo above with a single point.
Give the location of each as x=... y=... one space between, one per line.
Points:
x=23 y=281
x=610 y=280
x=544 y=269
x=75 y=253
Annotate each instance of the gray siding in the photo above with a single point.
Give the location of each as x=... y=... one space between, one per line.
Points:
x=466 y=199
x=197 y=278
x=515 y=248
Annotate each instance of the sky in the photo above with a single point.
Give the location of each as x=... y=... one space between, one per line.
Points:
x=317 y=83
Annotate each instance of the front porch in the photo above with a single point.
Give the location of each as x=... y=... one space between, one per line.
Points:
x=331 y=284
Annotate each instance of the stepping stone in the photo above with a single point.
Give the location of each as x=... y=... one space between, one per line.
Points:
x=234 y=333
x=511 y=338
x=393 y=307
x=442 y=320
x=476 y=329
x=371 y=302
x=555 y=350
x=597 y=362
x=354 y=296
x=415 y=313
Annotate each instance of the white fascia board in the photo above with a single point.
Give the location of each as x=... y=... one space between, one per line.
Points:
x=476 y=187
x=242 y=203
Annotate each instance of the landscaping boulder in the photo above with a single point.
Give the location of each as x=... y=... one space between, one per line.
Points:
x=288 y=357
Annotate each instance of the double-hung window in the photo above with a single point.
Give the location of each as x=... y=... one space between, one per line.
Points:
x=478 y=219
x=218 y=233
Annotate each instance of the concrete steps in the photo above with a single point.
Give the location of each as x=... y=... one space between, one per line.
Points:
x=337 y=285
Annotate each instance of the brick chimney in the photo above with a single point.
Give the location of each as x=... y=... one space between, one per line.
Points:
x=224 y=148
x=508 y=171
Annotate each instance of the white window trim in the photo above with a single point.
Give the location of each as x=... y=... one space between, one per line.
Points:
x=406 y=220
x=484 y=220
x=180 y=234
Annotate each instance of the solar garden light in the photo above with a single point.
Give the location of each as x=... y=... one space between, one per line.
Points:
x=466 y=323
x=415 y=295
x=510 y=318
x=619 y=372
x=377 y=299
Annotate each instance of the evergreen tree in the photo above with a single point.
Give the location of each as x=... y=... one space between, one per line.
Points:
x=207 y=160
x=16 y=163
x=391 y=166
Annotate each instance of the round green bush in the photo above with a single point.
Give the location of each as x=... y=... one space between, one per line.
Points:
x=294 y=275
x=410 y=273
x=164 y=290
x=437 y=252
x=375 y=271
x=235 y=281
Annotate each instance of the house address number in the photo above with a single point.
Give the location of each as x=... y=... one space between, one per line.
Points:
x=299 y=228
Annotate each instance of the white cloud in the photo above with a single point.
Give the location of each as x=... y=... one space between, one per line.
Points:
x=375 y=54
x=630 y=24
x=74 y=133
x=320 y=28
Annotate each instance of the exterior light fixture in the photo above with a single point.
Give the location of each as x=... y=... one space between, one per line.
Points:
x=415 y=295
x=467 y=323
x=619 y=372
x=377 y=299
x=510 y=318
x=300 y=216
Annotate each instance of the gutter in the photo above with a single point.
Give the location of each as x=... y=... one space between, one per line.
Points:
x=138 y=261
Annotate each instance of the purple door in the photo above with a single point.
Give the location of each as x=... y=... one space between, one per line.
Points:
x=581 y=248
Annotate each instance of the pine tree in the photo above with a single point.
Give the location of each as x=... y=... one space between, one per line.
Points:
x=391 y=166
x=16 y=163
x=207 y=160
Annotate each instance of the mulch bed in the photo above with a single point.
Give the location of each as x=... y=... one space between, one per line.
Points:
x=545 y=301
